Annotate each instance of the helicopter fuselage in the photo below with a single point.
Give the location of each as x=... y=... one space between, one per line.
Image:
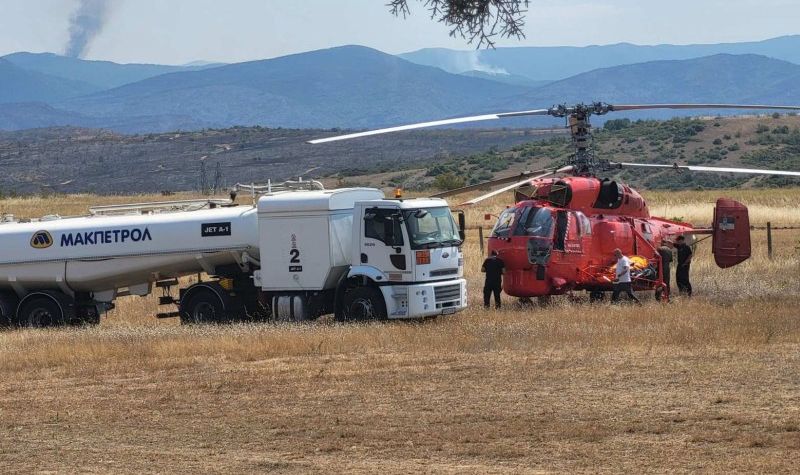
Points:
x=561 y=236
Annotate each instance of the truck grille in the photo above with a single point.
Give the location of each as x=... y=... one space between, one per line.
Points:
x=441 y=272
x=446 y=293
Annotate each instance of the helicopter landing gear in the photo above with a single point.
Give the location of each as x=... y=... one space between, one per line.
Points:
x=541 y=301
x=661 y=295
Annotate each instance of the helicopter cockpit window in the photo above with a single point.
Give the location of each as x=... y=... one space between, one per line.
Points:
x=584 y=225
x=503 y=226
x=610 y=196
x=536 y=222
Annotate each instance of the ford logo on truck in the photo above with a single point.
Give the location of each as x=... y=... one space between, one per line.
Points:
x=41 y=240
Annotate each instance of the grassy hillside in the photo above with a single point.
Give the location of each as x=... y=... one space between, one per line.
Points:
x=749 y=141
x=706 y=384
x=71 y=160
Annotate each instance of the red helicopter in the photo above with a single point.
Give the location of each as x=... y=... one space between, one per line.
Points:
x=560 y=235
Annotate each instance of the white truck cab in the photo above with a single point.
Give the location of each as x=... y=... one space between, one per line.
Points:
x=411 y=251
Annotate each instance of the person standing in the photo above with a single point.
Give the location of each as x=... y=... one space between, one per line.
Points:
x=665 y=251
x=494 y=267
x=622 y=283
x=682 y=269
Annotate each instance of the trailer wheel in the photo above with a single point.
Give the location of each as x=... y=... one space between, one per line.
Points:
x=45 y=309
x=8 y=308
x=202 y=306
x=364 y=303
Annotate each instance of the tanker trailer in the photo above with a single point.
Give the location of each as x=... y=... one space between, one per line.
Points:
x=297 y=253
x=70 y=270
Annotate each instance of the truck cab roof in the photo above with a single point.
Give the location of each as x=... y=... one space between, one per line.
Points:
x=410 y=203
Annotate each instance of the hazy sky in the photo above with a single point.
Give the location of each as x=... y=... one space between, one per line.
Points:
x=179 y=31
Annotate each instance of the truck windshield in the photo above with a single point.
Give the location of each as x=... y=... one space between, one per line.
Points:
x=431 y=227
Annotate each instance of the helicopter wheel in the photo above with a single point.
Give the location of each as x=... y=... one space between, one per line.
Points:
x=596 y=296
x=659 y=295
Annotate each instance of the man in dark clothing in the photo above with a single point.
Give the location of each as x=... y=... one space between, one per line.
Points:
x=682 y=269
x=665 y=251
x=494 y=268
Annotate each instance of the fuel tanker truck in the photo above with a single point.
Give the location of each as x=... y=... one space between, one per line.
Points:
x=298 y=252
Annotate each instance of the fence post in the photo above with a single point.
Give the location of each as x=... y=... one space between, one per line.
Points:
x=769 y=240
x=480 y=238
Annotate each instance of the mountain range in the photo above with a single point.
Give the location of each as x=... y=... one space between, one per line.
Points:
x=560 y=62
x=359 y=87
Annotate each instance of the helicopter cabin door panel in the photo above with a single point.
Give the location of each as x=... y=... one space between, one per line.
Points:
x=612 y=235
x=567 y=236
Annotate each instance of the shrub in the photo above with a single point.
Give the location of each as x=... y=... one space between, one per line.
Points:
x=448 y=181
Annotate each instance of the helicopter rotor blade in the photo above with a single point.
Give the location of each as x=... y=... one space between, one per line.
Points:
x=435 y=123
x=515 y=185
x=694 y=168
x=488 y=184
x=631 y=107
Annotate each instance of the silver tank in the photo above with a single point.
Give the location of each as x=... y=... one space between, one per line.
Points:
x=103 y=253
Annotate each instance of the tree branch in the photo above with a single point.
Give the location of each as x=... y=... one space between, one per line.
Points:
x=477 y=21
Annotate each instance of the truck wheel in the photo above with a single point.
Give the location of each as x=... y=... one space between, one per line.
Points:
x=8 y=308
x=202 y=306
x=88 y=315
x=364 y=303
x=45 y=309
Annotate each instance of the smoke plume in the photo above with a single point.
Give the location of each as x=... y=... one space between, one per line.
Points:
x=84 y=24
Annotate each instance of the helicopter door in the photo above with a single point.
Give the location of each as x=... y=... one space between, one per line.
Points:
x=562 y=222
x=574 y=242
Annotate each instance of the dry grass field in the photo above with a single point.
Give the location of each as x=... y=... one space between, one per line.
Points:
x=710 y=384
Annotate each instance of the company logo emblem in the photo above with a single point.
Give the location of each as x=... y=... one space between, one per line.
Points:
x=41 y=240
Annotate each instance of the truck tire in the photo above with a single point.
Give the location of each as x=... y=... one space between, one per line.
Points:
x=202 y=306
x=362 y=304
x=8 y=308
x=45 y=309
